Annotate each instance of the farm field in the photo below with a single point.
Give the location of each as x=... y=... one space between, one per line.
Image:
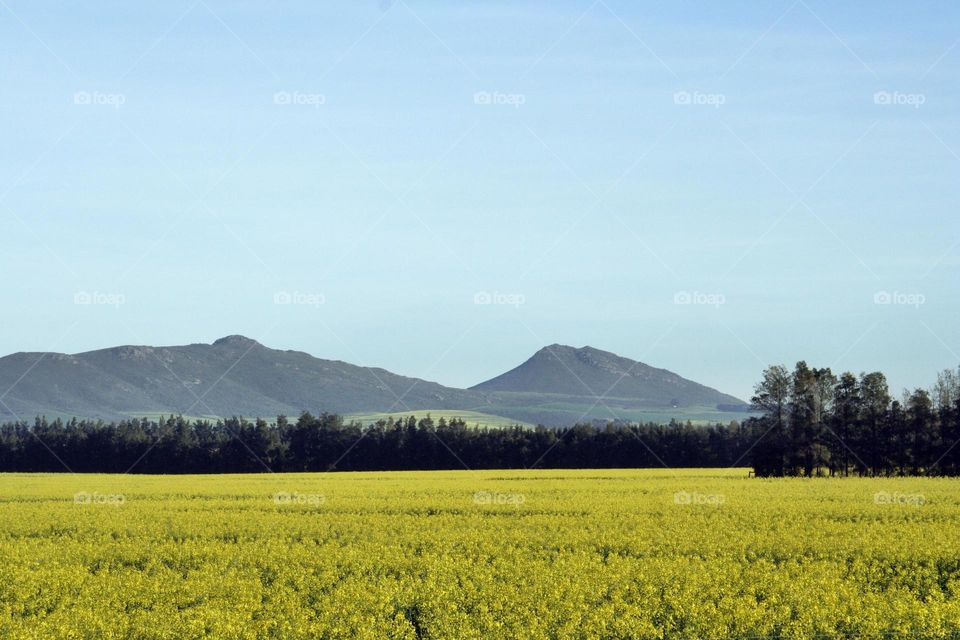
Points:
x=491 y=554
x=471 y=418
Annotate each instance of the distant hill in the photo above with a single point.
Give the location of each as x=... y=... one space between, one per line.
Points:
x=567 y=371
x=124 y=381
x=561 y=384
x=239 y=376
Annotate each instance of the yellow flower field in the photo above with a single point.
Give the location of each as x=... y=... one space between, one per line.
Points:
x=491 y=554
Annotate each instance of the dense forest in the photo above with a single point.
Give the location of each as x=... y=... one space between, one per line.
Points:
x=815 y=423
x=810 y=422
x=327 y=443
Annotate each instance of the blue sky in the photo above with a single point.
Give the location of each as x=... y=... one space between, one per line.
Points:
x=705 y=188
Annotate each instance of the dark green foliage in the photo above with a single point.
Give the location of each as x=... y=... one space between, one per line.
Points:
x=326 y=443
x=817 y=424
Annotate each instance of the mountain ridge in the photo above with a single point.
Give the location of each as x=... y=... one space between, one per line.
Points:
x=237 y=375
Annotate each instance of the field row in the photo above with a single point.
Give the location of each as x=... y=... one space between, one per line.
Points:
x=493 y=554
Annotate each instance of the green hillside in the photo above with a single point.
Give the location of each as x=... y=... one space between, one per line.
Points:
x=472 y=418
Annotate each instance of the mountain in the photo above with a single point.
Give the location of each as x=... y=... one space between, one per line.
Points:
x=234 y=375
x=558 y=378
x=563 y=370
x=239 y=376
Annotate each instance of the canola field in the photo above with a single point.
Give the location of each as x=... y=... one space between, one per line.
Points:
x=491 y=554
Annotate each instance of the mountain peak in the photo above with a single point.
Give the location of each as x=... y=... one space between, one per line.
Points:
x=552 y=348
x=585 y=352
x=557 y=348
x=566 y=347
x=236 y=341
x=586 y=372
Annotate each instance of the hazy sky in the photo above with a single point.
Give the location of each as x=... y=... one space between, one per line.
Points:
x=707 y=187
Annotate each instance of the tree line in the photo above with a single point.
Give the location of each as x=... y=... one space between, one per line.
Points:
x=809 y=423
x=327 y=442
x=815 y=423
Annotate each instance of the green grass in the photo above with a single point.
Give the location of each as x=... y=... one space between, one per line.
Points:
x=472 y=418
x=163 y=415
x=550 y=413
x=555 y=410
